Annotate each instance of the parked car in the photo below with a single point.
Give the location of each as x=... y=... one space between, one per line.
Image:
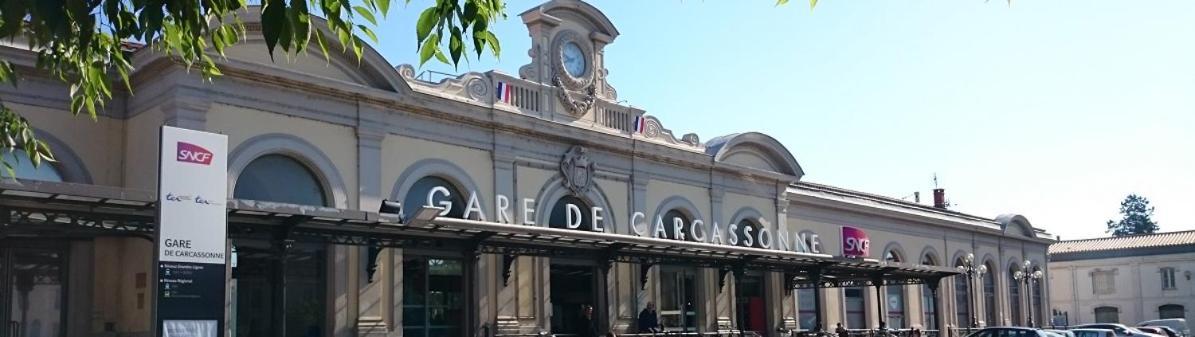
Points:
x=1177 y=324
x=1010 y=332
x=1093 y=333
x=1061 y=333
x=1159 y=330
x=1121 y=330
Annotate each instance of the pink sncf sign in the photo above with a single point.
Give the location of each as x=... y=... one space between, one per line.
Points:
x=192 y=153
x=855 y=243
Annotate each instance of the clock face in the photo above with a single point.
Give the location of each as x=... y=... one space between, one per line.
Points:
x=573 y=59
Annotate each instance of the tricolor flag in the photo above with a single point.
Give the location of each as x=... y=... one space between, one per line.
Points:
x=640 y=124
x=504 y=93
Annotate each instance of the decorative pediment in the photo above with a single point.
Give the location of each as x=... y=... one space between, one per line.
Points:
x=1015 y=224
x=754 y=150
x=370 y=70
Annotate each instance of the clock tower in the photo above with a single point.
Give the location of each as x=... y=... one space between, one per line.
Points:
x=568 y=39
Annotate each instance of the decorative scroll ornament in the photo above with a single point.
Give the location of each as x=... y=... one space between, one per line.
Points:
x=577 y=170
x=574 y=106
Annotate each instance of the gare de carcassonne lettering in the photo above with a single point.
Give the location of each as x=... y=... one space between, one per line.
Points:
x=713 y=233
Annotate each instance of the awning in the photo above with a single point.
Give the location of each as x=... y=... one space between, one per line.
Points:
x=67 y=210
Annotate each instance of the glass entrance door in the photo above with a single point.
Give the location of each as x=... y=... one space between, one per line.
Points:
x=749 y=302
x=678 y=299
x=573 y=288
x=32 y=289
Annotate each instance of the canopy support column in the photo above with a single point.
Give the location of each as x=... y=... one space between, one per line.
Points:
x=819 y=316
x=877 y=281
x=933 y=284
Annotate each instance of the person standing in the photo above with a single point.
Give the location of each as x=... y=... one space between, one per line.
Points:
x=587 y=327
x=649 y=320
x=841 y=331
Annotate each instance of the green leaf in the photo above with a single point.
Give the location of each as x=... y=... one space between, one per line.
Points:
x=440 y=57
x=273 y=19
x=456 y=47
x=7 y=74
x=781 y=2
x=383 y=6
x=492 y=40
x=427 y=20
x=369 y=33
x=364 y=12
x=812 y=3
x=429 y=48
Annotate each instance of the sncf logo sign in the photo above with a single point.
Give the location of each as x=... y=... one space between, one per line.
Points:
x=192 y=153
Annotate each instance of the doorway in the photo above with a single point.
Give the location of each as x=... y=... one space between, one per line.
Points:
x=678 y=298
x=749 y=302
x=260 y=296
x=32 y=289
x=572 y=288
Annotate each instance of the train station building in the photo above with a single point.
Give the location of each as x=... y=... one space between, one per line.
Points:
x=364 y=201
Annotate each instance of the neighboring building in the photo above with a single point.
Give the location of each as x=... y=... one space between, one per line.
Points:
x=317 y=145
x=1125 y=279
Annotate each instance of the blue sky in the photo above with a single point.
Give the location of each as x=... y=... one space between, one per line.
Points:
x=1052 y=109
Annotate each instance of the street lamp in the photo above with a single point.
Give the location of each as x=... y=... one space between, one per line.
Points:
x=1029 y=277
x=972 y=272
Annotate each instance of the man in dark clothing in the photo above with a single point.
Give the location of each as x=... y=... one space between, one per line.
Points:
x=649 y=320
x=587 y=327
x=841 y=331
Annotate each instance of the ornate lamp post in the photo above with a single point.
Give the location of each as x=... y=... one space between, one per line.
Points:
x=972 y=272
x=1028 y=277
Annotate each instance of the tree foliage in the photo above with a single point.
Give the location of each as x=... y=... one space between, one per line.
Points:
x=84 y=42
x=1136 y=217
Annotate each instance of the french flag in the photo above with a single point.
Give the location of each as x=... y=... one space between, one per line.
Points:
x=504 y=93
x=640 y=124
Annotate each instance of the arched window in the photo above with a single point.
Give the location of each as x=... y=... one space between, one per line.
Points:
x=435 y=192
x=1171 y=311
x=989 y=294
x=928 y=304
x=748 y=228
x=962 y=296
x=24 y=169
x=1107 y=315
x=687 y=229
x=433 y=288
x=279 y=178
x=1015 y=302
x=560 y=216
x=895 y=296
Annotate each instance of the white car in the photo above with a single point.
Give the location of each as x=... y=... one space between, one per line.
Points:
x=1121 y=330
x=1176 y=324
x=1093 y=333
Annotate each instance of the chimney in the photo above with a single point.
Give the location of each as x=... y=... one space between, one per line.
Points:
x=940 y=198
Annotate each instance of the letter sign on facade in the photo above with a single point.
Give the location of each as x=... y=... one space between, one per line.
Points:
x=855 y=243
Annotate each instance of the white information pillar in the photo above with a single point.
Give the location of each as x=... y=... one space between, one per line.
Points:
x=191 y=233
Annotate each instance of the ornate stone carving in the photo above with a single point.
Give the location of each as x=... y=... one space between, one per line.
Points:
x=557 y=62
x=472 y=86
x=577 y=170
x=576 y=107
x=655 y=130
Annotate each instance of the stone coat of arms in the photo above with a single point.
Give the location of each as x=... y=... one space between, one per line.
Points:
x=577 y=170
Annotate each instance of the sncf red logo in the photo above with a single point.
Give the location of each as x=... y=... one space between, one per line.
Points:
x=192 y=153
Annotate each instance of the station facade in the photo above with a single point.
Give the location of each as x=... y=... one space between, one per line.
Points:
x=688 y=224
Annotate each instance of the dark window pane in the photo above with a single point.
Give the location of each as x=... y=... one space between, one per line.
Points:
x=417 y=197
x=23 y=167
x=670 y=230
x=279 y=178
x=559 y=215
